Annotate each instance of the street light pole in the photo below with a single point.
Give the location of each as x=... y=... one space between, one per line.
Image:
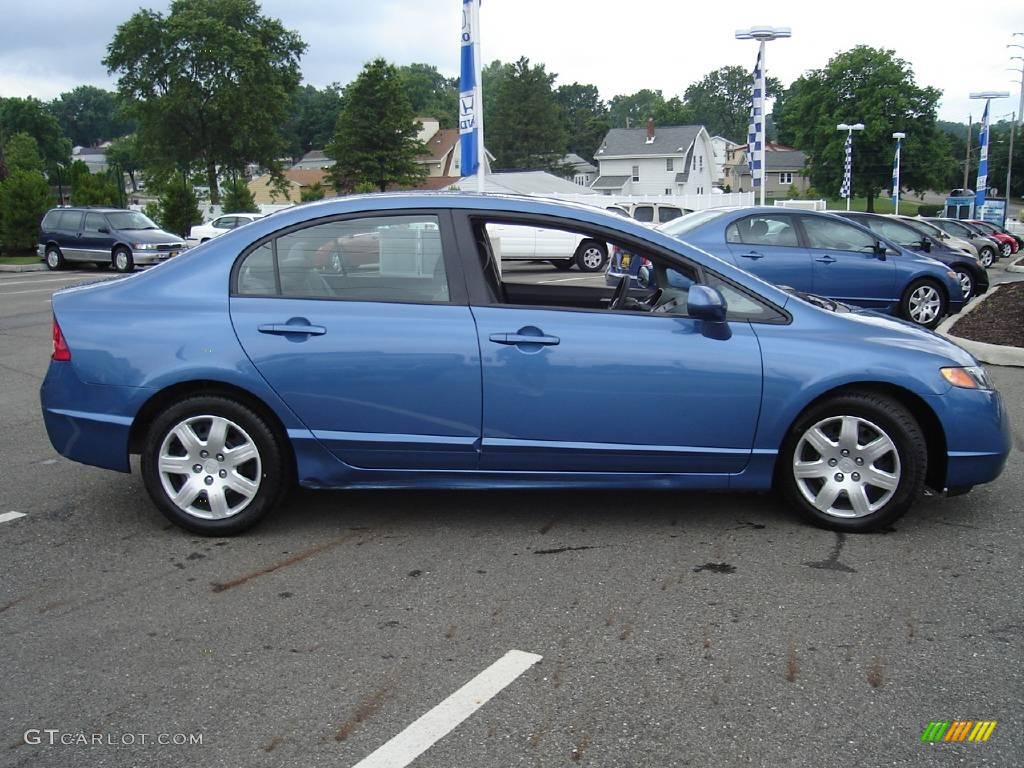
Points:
x=763 y=34
x=899 y=136
x=849 y=128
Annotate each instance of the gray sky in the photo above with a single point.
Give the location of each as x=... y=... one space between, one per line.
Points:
x=47 y=46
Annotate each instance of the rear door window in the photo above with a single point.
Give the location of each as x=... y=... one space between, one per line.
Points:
x=764 y=229
x=668 y=213
x=644 y=213
x=94 y=222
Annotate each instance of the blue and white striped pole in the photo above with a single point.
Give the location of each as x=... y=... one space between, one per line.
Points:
x=846 y=190
x=896 y=172
x=982 y=186
x=755 y=133
x=471 y=107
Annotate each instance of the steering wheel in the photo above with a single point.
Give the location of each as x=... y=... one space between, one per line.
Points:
x=621 y=291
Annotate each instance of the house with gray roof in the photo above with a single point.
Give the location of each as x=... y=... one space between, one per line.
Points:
x=785 y=173
x=655 y=160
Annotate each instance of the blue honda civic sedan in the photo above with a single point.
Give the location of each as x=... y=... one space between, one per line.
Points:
x=823 y=254
x=373 y=342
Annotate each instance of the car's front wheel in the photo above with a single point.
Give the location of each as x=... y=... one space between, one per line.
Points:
x=123 y=260
x=986 y=256
x=54 y=258
x=1006 y=249
x=854 y=462
x=924 y=302
x=591 y=256
x=966 y=282
x=213 y=466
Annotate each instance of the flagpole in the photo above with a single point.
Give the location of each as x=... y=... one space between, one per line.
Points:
x=764 y=120
x=478 y=97
x=899 y=136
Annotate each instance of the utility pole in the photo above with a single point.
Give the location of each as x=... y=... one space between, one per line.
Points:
x=1009 y=165
x=967 y=157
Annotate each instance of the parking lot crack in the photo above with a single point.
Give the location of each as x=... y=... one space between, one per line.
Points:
x=296 y=558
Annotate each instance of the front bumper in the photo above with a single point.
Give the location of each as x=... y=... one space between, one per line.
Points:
x=978 y=436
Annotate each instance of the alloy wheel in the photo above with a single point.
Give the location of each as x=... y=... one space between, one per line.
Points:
x=966 y=284
x=592 y=257
x=846 y=466
x=925 y=304
x=209 y=467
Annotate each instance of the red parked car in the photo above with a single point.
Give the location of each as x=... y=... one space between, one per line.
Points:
x=1007 y=243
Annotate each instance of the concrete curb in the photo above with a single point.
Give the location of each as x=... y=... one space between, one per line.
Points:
x=1011 y=267
x=993 y=354
x=42 y=267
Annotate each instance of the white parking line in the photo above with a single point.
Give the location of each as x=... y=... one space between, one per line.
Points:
x=35 y=290
x=442 y=719
x=565 y=280
x=6 y=517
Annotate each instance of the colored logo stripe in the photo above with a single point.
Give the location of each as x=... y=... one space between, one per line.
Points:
x=958 y=730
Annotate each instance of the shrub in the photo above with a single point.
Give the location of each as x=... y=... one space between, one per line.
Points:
x=179 y=209
x=24 y=198
x=237 y=198
x=312 y=192
x=930 y=209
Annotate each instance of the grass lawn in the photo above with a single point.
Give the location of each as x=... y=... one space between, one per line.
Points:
x=19 y=260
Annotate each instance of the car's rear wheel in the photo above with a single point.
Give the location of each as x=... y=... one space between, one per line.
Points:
x=213 y=466
x=966 y=282
x=854 y=462
x=122 y=260
x=924 y=302
x=54 y=258
x=986 y=255
x=591 y=256
x=562 y=264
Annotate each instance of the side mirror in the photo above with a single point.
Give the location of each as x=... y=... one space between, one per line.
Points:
x=706 y=303
x=880 y=250
x=643 y=276
x=926 y=245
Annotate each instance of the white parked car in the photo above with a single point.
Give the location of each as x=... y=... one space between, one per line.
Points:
x=203 y=232
x=518 y=242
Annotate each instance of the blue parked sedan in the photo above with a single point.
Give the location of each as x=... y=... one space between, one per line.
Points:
x=248 y=364
x=823 y=254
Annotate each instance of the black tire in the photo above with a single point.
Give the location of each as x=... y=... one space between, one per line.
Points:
x=890 y=419
x=562 y=264
x=917 y=303
x=966 y=282
x=54 y=258
x=122 y=260
x=269 y=471
x=986 y=255
x=1005 y=249
x=591 y=256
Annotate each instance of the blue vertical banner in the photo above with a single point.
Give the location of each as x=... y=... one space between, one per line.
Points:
x=896 y=174
x=845 y=190
x=982 y=186
x=470 y=107
x=755 y=133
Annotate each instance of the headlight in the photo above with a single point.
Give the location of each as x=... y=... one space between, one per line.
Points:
x=144 y=246
x=968 y=377
x=951 y=274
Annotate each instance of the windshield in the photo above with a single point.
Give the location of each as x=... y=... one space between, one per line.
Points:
x=925 y=227
x=688 y=222
x=955 y=228
x=130 y=220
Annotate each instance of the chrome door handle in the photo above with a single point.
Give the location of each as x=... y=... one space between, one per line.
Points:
x=752 y=255
x=824 y=259
x=283 y=329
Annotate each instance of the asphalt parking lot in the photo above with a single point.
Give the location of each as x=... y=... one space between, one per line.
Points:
x=672 y=630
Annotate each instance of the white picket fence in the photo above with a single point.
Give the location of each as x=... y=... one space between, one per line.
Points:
x=693 y=202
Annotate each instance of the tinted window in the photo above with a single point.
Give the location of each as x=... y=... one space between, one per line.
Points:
x=395 y=258
x=668 y=212
x=644 y=213
x=68 y=221
x=224 y=222
x=130 y=220
x=256 y=275
x=899 y=233
x=763 y=229
x=682 y=225
x=94 y=222
x=836 y=235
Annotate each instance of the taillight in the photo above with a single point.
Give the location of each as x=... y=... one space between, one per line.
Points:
x=61 y=353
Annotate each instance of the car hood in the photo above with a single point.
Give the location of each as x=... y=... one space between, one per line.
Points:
x=149 y=236
x=903 y=334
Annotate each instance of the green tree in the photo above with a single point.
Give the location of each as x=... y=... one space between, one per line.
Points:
x=585 y=117
x=178 y=207
x=313 y=192
x=525 y=128
x=375 y=137
x=720 y=101
x=31 y=116
x=874 y=87
x=89 y=188
x=88 y=115
x=21 y=153
x=430 y=93
x=633 y=110
x=209 y=83
x=24 y=198
x=998 y=155
x=237 y=197
x=126 y=155
x=312 y=115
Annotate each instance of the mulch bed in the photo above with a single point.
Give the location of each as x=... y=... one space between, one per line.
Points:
x=999 y=320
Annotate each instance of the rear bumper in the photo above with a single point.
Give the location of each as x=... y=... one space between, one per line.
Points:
x=89 y=423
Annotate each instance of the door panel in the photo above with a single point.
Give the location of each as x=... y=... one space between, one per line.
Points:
x=768 y=245
x=612 y=392
x=846 y=266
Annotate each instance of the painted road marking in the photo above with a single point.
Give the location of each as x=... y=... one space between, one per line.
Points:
x=446 y=716
x=4 y=283
x=36 y=290
x=6 y=517
x=566 y=279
